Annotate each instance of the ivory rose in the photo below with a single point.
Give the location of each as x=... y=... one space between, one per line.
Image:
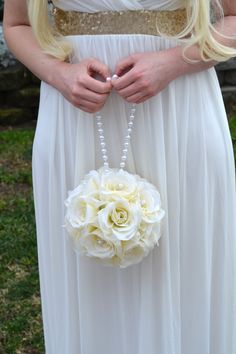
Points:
x=93 y=245
x=120 y=220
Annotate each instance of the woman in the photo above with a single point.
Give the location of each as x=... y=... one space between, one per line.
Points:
x=181 y=298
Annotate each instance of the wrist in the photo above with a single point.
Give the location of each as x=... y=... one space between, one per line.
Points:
x=189 y=62
x=57 y=73
x=180 y=65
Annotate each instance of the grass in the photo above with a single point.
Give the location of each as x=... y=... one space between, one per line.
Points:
x=20 y=311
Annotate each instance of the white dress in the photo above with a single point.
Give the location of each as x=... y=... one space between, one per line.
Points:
x=181 y=299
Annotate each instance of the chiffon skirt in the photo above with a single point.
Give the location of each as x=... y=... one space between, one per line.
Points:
x=181 y=299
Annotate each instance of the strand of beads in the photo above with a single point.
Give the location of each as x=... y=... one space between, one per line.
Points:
x=102 y=140
x=126 y=139
x=128 y=136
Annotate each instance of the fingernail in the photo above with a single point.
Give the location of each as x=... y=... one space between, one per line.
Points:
x=108 y=79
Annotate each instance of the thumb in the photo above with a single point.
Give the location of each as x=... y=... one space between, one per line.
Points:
x=124 y=65
x=97 y=68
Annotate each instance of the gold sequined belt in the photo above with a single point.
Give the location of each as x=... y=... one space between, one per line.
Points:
x=149 y=22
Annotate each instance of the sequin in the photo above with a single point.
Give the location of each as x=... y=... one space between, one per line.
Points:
x=149 y=22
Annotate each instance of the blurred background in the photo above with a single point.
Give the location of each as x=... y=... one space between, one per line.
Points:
x=20 y=312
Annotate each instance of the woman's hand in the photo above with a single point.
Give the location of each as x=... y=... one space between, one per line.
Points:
x=84 y=84
x=143 y=75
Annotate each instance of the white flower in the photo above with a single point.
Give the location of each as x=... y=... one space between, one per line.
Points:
x=150 y=234
x=120 y=219
x=150 y=201
x=79 y=211
x=133 y=253
x=91 y=183
x=118 y=184
x=92 y=244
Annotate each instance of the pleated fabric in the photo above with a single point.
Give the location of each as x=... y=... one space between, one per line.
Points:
x=181 y=299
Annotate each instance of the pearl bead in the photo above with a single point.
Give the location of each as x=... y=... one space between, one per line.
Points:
x=129 y=130
x=127 y=137
x=115 y=77
x=104 y=151
x=100 y=130
x=125 y=151
x=122 y=164
x=99 y=118
x=106 y=164
x=123 y=158
x=126 y=144
x=99 y=124
x=101 y=137
x=130 y=124
x=105 y=158
x=131 y=117
x=103 y=144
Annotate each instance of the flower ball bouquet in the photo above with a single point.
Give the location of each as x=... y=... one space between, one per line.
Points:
x=114 y=216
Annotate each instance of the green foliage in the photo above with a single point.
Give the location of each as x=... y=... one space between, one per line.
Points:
x=20 y=310
x=232 y=126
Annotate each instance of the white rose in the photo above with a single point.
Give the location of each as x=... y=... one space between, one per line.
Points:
x=149 y=234
x=91 y=183
x=93 y=244
x=119 y=220
x=150 y=202
x=79 y=212
x=118 y=184
x=133 y=253
x=88 y=187
x=78 y=191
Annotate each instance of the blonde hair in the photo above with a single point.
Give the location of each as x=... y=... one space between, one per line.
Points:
x=52 y=43
x=202 y=16
x=199 y=23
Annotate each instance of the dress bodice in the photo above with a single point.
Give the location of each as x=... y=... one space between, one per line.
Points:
x=117 y=5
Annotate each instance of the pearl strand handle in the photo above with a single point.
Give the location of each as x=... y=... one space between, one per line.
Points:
x=128 y=136
x=126 y=143
x=102 y=140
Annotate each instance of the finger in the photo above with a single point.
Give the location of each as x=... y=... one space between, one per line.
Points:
x=124 y=65
x=124 y=81
x=129 y=90
x=87 y=105
x=136 y=97
x=86 y=109
x=93 y=96
x=95 y=66
x=98 y=86
x=143 y=99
